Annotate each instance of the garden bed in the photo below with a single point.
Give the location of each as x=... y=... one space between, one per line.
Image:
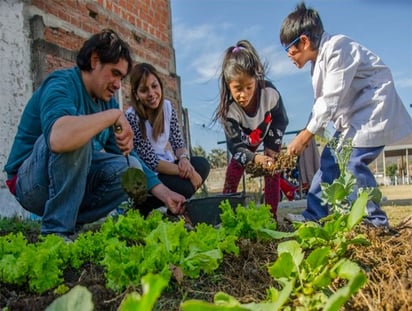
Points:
x=387 y=262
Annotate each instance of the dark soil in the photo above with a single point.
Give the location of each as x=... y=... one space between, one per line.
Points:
x=387 y=261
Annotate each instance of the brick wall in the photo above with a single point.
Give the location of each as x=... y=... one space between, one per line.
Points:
x=60 y=27
x=51 y=31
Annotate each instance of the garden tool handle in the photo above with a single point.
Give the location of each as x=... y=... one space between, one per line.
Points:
x=118 y=129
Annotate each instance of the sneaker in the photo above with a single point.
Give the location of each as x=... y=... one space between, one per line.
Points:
x=292 y=218
x=383 y=230
x=65 y=238
x=391 y=231
x=117 y=212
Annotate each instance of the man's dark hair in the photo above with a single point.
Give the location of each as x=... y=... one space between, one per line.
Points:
x=108 y=47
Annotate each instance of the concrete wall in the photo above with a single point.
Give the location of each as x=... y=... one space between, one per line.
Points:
x=16 y=80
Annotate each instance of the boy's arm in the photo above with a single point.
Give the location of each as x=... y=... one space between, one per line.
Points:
x=300 y=143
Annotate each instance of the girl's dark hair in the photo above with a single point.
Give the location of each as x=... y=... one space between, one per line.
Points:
x=302 y=21
x=239 y=59
x=139 y=75
x=108 y=47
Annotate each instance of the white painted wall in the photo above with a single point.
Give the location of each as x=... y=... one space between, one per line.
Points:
x=15 y=73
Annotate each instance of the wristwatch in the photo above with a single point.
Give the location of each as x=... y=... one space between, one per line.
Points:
x=184 y=155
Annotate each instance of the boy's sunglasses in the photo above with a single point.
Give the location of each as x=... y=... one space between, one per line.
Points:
x=294 y=41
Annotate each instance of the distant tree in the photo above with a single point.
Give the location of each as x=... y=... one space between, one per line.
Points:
x=199 y=151
x=217 y=158
x=391 y=169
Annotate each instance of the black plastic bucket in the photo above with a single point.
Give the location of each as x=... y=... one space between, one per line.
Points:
x=207 y=209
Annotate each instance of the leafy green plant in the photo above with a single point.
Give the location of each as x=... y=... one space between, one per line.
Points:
x=152 y=287
x=15 y=258
x=165 y=244
x=309 y=267
x=338 y=195
x=250 y=222
x=40 y=264
x=16 y=224
x=78 y=298
x=311 y=270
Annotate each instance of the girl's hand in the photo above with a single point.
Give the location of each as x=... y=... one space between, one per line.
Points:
x=264 y=160
x=270 y=153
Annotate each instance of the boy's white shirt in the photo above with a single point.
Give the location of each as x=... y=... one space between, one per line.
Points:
x=355 y=90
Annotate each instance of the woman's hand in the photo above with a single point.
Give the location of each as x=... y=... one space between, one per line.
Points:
x=185 y=168
x=196 y=180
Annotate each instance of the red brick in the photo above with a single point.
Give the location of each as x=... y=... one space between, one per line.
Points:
x=149 y=20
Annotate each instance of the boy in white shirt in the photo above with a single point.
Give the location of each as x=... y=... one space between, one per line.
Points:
x=353 y=89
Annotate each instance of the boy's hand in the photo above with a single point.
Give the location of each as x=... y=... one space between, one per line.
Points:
x=299 y=144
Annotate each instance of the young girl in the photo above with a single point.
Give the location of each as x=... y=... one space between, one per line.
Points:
x=353 y=89
x=158 y=139
x=251 y=112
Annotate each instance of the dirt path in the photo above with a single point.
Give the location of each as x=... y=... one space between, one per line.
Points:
x=397 y=204
x=401 y=192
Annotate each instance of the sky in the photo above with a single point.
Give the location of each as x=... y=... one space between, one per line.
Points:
x=203 y=29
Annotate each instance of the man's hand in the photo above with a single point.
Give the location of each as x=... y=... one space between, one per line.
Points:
x=174 y=201
x=124 y=135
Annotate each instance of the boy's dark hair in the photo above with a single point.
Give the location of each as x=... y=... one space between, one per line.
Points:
x=109 y=48
x=302 y=21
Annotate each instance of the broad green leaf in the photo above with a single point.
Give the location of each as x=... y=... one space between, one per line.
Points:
x=319 y=257
x=374 y=194
x=222 y=302
x=152 y=286
x=207 y=261
x=294 y=249
x=312 y=230
x=358 y=210
x=343 y=294
x=225 y=302
x=78 y=298
x=283 y=295
x=347 y=269
x=322 y=279
x=167 y=234
x=278 y=235
x=282 y=267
